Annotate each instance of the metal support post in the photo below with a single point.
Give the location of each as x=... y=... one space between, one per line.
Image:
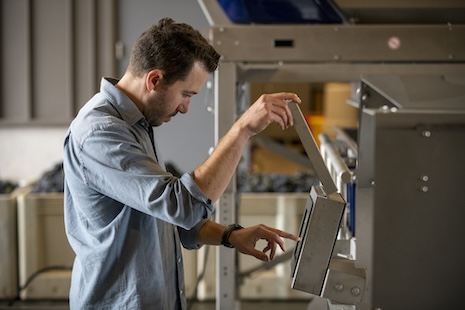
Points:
x=225 y=116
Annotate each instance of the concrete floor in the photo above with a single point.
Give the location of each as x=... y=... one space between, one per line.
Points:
x=252 y=305
x=209 y=305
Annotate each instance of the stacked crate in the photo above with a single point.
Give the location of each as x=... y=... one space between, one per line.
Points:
x=8 y=246
x=45 y=256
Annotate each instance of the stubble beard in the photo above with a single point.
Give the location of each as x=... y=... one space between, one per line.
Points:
x=156 y=113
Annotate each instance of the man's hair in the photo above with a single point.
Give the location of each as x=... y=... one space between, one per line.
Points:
x=173 y=48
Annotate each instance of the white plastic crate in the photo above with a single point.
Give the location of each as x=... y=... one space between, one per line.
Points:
x=45 y=256
x=43 y=244
x=8 y=247
x=190 y=271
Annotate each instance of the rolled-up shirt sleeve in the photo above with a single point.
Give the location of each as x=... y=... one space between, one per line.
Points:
x=189 y=237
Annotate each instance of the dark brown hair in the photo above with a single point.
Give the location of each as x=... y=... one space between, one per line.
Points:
x=173 y=48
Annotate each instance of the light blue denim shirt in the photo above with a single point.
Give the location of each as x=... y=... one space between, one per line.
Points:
x=125 y=216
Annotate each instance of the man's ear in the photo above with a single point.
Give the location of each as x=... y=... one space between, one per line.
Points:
x=153 y=79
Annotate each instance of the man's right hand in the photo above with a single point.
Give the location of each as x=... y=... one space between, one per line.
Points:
x=245 y=240
x=267 y=109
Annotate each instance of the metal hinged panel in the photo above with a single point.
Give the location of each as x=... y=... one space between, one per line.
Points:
x=318 y=232
x=310 y=146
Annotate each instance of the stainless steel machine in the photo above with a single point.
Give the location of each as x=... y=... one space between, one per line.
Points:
x=409 y=198
x=407 y=65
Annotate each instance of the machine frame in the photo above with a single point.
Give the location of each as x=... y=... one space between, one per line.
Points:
x=343 y=53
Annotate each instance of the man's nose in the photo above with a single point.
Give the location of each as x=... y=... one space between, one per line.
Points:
x=184 y=107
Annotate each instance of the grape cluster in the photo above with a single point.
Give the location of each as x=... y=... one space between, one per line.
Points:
x=6 y=187
x=51 y=181
x=275 y=182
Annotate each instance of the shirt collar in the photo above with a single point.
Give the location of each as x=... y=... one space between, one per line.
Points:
x=125 y=107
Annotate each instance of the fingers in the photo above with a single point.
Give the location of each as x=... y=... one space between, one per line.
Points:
x=273 y=237
x=283 y=115
x=267 y=109
x=285 y=96
x=261 y=256
x=273 y=249
x=286 y=235
x=281 y=233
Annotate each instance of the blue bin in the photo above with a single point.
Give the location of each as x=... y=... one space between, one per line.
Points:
x=351 y=189
x=282 y=11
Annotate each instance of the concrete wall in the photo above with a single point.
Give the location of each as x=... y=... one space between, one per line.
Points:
x=25 y=153
x=186 y=140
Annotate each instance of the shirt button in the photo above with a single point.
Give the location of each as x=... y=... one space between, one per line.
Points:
x=179 y=260
x=180 y=292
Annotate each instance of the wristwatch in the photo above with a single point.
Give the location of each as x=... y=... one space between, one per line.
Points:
x=227 y=233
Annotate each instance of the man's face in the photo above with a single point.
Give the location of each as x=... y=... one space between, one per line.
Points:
x=168 y=101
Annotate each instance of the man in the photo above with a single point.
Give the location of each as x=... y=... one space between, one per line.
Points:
x=126 y=216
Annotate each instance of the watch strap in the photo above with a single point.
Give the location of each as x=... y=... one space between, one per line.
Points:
x=227 y=234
